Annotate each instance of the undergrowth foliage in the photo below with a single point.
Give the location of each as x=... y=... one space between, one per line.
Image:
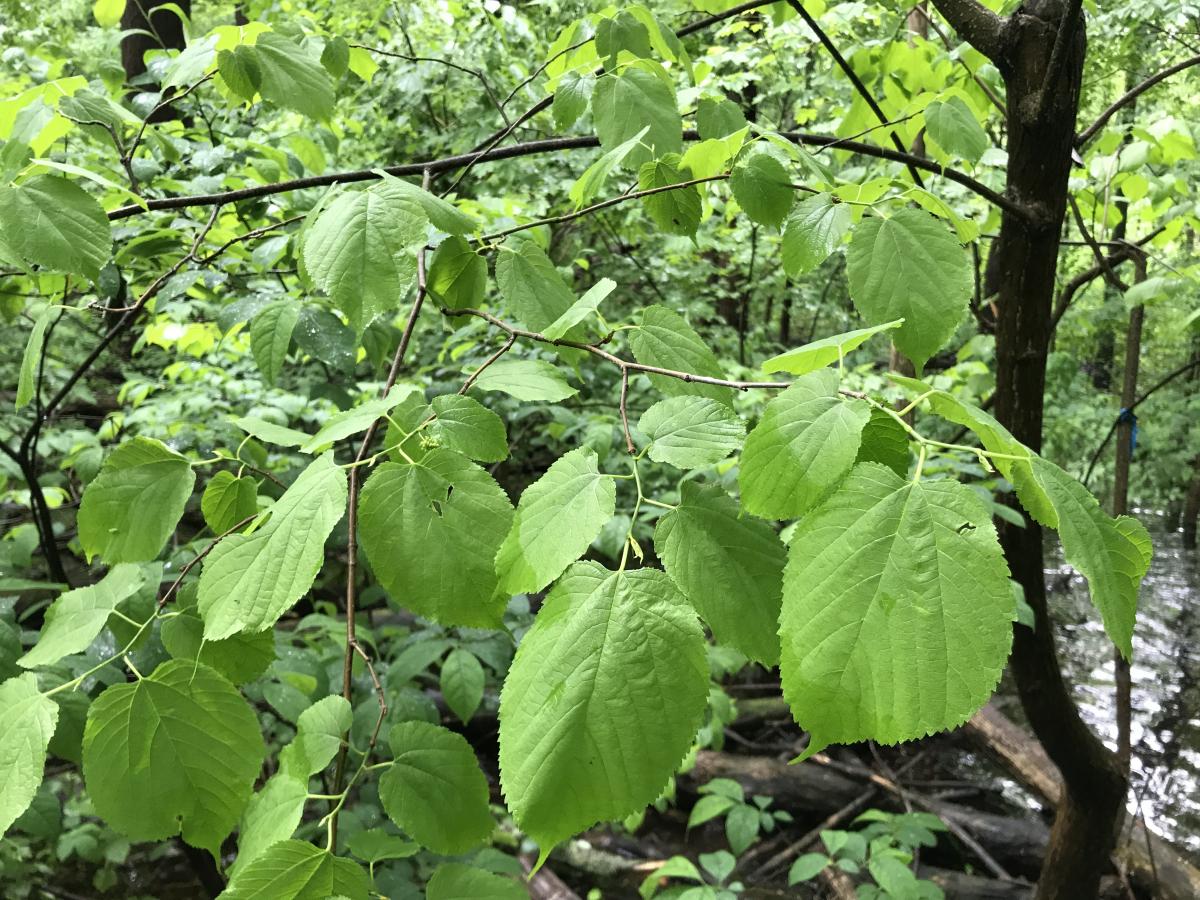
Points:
x=811 y=532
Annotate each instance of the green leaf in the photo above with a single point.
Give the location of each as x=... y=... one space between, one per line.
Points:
x=763 y=188
x=708 y=808
x=183 y=742
x=90 y=106
x=250 y=580
x=804 y=445
x=31 y=359
x=272 y=815
x=108 y=12
x=442 y=214
x=602 y=701
x=240 y=71
x=319 y=732
x=641 y=97
x=665 y=339
x=531 y=285
x=362 y=250
x=130 y=509
x=621 y=32
x=292 y=77
x=718 y=118
x=55 y=224
x=431 y=532
x=228 y=500
x=910 y=266
x=456 y=881
x=729 y=566
x=885 y=441
x=296 y=870
x=29 y=719
x=676 y=211
x=807 y=867
x=457 y=274
x=571 y=98
x=955 y=129
x=689 y=432
x=897 y=611
x=335 y=56
x=434 y=789
x=1113 y=554
x=270 y=432
x=271 y=335
x=76 y=618
x=580 y=309
x=462 y=681
x=356 y=419
x=826 y=351
x=557 y=519
x=594 y=176
x=741 y=828
x=192 y=64
x=376 y=845
x=526 y=379
x=467 y=426
x=239 y=657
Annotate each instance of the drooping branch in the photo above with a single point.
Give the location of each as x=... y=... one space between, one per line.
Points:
x=1128 y=97
x=849 y=72
x=976 y=24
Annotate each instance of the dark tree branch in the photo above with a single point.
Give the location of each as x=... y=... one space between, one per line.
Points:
x=854 y=80
x=1128 y=97
x=1058 y=54
x=976 y=24
x=1109 y=273
x=1067 y=295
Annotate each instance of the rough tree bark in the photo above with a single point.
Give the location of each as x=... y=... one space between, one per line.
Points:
x=1043 y=74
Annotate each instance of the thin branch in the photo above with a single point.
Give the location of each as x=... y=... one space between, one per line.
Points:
x=127 y=157
x=542 y=68
x=1110 y=274
x=1067 y=295
x=192 y=563
x=854 y=80
x=976 y=24
x=1128 y=97
x=508 y=344
x=487 y=87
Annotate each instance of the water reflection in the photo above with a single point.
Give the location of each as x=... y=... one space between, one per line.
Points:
x=1166 y=678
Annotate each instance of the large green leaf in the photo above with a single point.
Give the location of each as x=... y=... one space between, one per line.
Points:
x=813 y=231
x=676 y=211
x=293 y=77
x=762 y=188
x=602 y=701
x=457 y=274
x=272 y=815
x=1113 y=554
x=76 y=618
x=296 y=870
x=526 y=379
x=431 y=532
x=241 y=657
x=640 y=97
x=910 y=266
x=571 y=97
x=897 y=610
x=182 y=741
x=885 y=441
x=557 y=519
x=29 y=719
x=271 y=335
x=689 y=432
x=729 y=566
x=955 y=129
x=362 y=250
x=466 y=425
x=130 y=509
x=804 y=445
x=442 y=214
x=664 y=339
x=824 y=352
x=250 y=580
x=435 y=789
x=227 y=500
x=456 y=881
x=531 y=285
x=55 y=224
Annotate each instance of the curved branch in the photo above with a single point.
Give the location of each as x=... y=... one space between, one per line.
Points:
x=1128 y=97
x=1083 y=279
x=976 y=24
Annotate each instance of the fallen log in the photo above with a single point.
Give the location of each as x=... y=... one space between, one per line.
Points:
x=1152 y=864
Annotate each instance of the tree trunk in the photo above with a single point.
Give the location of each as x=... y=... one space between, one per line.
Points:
x=1041 y=132
x=1191 y=508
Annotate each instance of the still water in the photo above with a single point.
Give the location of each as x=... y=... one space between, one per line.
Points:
x=1166 y=679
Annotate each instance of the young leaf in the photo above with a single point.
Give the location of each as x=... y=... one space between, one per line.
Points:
x=434 y=789
x=296 y=870
x=185 y=742
x=130 y=509
x=689 y=432
x=763 y=189
x=108 y=12
x=602 y=701
x=824 y=352
x=580 y=309
x=641 y=97
x=557 y=519
x=76 y=618
x=461 y=516
x=279 y=435
x=526 y=379
x=910 y=266
x=897 y=611
x=467 y=426
x=594 y=176
x=457 y=274
x=664 y=339
x=319 y=732
x=729 y=566
x=456 y=881
x=885 y=441
x=462 y=683
x=375 y=845
x=31 y=359
x=356 y=419
x=250 y=580
x=571 y=98
x=292 y=77
x=271 y=335
x=676 y=211
x=955 y=129
x=29 y=719
x=531 y=285
x=228 y=500
x=804 y=445
x=55 y=224
x=718 y=118
x=272 y=815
